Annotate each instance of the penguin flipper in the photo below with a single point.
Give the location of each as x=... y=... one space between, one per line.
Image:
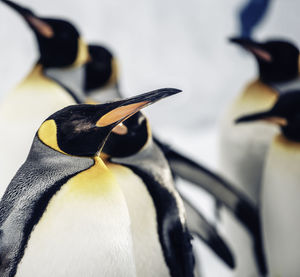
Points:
x=224 y=192
x=200 y=227
x=203 y=178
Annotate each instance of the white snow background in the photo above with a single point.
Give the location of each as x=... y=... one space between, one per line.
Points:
x=162 y=43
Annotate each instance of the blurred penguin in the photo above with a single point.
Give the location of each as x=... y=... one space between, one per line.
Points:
x=243 y=148
x=157 y=214
x=280 y=186
x=23 y=109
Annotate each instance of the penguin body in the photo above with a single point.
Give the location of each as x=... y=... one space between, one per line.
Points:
x=146 y=245
x=64 y=214
x=164 y=221
x=280 y=186
x=21 y=112
x=37 y=95
x=280 y=207
x=69 y=239
x=243 y=148
x=246 y=173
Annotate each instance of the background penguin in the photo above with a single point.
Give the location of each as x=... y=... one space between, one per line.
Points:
x=64 y=213
x=280 y=187
x=142 y=153
x=23 y=109
x=243 y=148
x=101 y=75
x=145 y=178
x=278 y=70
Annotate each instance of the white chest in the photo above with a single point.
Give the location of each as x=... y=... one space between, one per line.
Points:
x=21 y=114
x=281 y=208
x=147 y=248
x=85 y=231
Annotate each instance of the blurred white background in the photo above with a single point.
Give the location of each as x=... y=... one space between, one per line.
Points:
x=161 y=43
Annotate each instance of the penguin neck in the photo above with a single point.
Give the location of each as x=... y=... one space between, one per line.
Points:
x=37 y=81
x=282 y=87
x=69 y=77
x=151 y=160
x=35 y=75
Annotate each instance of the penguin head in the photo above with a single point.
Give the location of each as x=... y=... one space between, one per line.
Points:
x=82 y=130
x=59 y=41
x=278 y=60
x=101 y=70
x=285 y=113
x=128 y=138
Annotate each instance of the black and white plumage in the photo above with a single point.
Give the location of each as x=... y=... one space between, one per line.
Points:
x=280 y=186
x=67 y=202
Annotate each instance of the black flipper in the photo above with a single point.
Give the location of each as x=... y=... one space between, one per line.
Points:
x=206 y=232
x=223 y=192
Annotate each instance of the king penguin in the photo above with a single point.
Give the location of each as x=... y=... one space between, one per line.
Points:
x=280 y=187
x=243 y=148
x=23 y=109
x=64 y=213
x=160 y=233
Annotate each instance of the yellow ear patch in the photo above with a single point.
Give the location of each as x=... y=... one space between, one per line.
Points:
x=120 y=113
x=114 y=74
x=83 y=55
x=47 y=133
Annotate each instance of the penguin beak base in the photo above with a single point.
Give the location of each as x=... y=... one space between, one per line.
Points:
x=40 y=26
x=260 y=53
x=120 y=114
x=37 y=24
x=257 y=49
